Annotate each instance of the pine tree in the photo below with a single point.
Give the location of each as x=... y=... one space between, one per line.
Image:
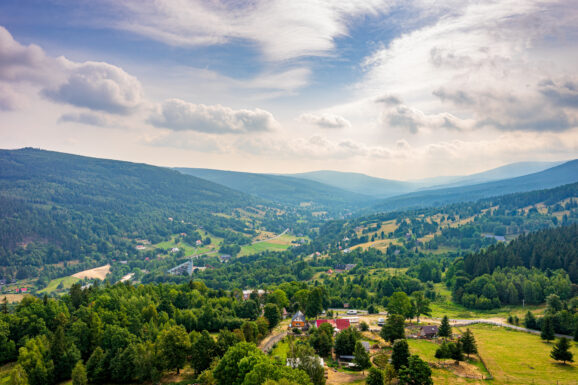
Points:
x=79 y=374
x=375 y=377
x=561 y=351
x=417 y=372
x=469 y=343
x=361 y=356
x=445 y=330
x=400 y=354
x=547 y=329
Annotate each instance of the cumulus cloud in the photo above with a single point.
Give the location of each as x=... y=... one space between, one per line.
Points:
x=413 y=119
x=19 y=62
x=294 y=29
x=325 y=120
x=98 y=86
x=178 y=115
x=10 y=99
x=93 y=85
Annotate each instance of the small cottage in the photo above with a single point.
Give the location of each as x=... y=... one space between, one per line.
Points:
x=429 y=331
x=298 y=321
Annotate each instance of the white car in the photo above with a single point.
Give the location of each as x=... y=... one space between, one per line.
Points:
x=351 y=312
x=381 y=322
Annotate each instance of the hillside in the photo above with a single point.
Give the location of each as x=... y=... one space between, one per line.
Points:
x=359 y=183
x=281 y=189
x=57 y=207
x=556 y=176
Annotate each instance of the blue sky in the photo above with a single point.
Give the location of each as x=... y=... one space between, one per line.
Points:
x=397 y=89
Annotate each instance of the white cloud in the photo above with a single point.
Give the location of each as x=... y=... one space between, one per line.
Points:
x=281 y=29
x=325 y=120
x=93 y=85
x=178 y=115
x=90 y=119
x=98 y=86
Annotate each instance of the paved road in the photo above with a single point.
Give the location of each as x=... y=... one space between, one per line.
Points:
x=272 y=341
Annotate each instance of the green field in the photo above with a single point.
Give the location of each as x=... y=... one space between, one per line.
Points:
x=281 y=350
x=261 y=246
x=52 y=287
x=520 y=358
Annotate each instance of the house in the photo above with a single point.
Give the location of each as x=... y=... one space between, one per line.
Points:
x=284 y=313
x=224 y=258
x=338 y=324
x=294 y=362
x=298 y=321
x=175 y=250
x=140 y=247
x=247 y=293
x=198 y=242
x=429 y=331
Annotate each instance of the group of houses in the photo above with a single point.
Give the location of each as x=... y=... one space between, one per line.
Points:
x=298 y=321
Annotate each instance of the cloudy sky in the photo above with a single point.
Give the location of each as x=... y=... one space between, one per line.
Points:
x=396 y=89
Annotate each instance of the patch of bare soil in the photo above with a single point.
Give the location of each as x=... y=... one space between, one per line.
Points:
x=98 y=273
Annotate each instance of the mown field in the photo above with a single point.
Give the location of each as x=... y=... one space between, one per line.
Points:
x=53 y=286
x=520 y=358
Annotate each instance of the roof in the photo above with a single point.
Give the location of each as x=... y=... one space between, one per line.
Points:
x=432 y=329
x=339 y=324
x=365 y=345
x=298 y=317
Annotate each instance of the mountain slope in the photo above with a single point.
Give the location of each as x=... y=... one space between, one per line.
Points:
x=56 y=207
x=556 y=176
x=281 y=189
x=508 y=171
x=359 y=183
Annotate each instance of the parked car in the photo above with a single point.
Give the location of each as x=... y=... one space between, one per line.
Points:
x=381 y=322
x=351 y=312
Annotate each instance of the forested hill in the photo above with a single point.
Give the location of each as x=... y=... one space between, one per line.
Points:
x=51 y=177
x=547 y=249
x=56 y=207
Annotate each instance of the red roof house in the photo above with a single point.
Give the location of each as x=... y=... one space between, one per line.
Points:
x=339 y=324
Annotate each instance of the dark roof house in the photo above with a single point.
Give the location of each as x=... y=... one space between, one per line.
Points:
x=428 y=331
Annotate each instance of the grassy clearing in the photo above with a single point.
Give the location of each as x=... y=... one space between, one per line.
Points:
x=423 y=348
x=262 y=246
x=281 y=350
x=520 y=358
x=52 y=287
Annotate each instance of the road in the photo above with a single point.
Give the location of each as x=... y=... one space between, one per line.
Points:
x=270 y=239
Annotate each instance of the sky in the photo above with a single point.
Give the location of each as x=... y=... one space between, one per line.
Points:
x=395 y=89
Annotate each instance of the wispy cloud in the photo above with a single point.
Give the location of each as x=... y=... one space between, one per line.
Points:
x=325 y=120
x=282 y=30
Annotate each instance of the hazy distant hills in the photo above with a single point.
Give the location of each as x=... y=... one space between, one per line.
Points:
x=280 y=189
x=384 y=188
x=508 y=171
x=359 y=183
x=556 y=176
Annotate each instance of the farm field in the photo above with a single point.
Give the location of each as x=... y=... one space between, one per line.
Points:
x=96 y=273
x=520 y=358
x=53 y=286
x=278 y=244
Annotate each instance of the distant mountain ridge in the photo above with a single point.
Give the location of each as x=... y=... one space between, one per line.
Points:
x=280 y=188
x=565 y=173
x=385 y=188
